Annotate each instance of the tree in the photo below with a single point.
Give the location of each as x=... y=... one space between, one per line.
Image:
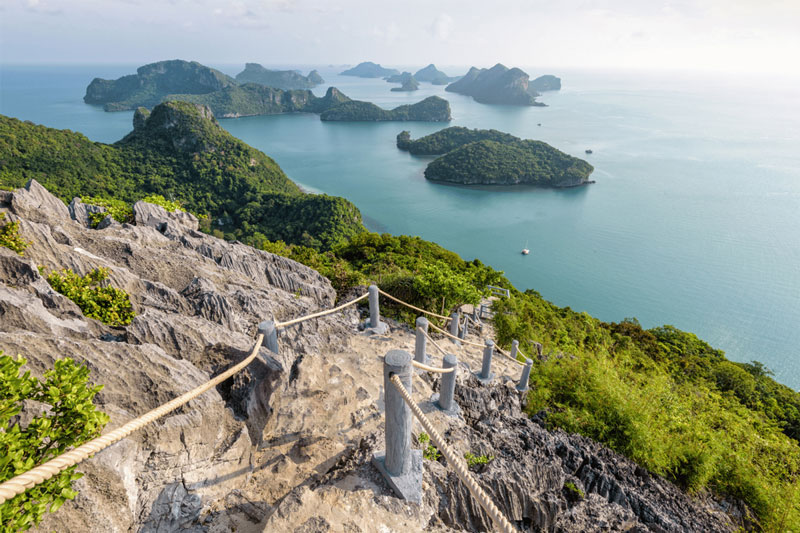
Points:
x=65 y=416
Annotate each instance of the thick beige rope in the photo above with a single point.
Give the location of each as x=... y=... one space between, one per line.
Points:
x=445 y=333
x=435 y=369
x=434 y=343
x=22 y=482
x=321 y=313
x=412 y=306
x=508 y=355
x=455 y=462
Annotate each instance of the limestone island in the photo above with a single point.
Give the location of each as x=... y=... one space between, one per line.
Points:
x=177 y=80
x=491 y=157
x=548 y=82
x=368 y=69
x=497 y=85
x=431 y=109
x=433 y=75
x=279 y=79
x=409 y=83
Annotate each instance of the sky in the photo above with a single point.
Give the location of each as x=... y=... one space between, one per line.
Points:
x=754 y=36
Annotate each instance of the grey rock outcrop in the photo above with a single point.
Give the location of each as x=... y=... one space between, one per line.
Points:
x=198 y=300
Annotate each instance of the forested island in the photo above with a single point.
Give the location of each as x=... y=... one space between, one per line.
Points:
x=497 y=85
x=184 y=81
x=433 y=75
x=491 y=157
x=431 y=109
x=548 y=82
x=368 y=69
x=279 y=79
x=409 y=83
x=179 y=151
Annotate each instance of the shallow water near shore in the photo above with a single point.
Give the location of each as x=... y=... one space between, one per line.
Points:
x=694 y=220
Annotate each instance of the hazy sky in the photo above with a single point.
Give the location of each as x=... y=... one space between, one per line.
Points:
x=731 y=35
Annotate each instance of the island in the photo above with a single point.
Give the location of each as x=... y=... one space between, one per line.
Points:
x=497 y=85
x=433 y=75
x=368 y=69
x=279 y=79
x=491 y=157
x=398 y=78
x=409 y=83
x=153 y=82
x=431 y=109
x=548 y=82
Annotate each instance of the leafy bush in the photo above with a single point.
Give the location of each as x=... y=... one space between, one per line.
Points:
x=9 y=236
x=68 y=418
x=120 y=211
x=574 y=492
x=477 y=460
x=107 y=304
x=429 y=451
x=168 y=205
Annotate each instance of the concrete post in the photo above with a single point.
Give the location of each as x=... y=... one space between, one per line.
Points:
x=448 y=386
x=374 y=307
x=267 y=328
x=398 y=414
x=400 y=465
x=454 y=319
x=488 y=351
x=522 y=386
x=514 y=349
x=539 y=349
x=462 y=329
x=421 y=344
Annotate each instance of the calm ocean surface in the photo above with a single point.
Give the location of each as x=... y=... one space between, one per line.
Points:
x=694 y=220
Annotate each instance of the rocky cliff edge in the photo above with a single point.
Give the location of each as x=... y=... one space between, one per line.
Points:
x=286 y=444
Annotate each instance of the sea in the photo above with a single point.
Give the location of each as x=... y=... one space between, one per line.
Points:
x=694 y=219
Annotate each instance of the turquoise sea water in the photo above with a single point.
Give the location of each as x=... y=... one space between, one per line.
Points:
x=694 y=220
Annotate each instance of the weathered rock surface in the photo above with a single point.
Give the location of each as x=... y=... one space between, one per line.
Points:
x=285 y=445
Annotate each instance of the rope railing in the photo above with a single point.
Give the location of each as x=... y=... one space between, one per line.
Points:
x=446 y=334
x=508 y=355
x=444 y=352
x=319 y=314
x=22 y=482
x=398 y=300
x=434 y=369
x=456 y=463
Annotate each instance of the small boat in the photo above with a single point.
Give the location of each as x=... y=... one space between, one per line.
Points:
x=525 y=251
x=588 y=151
x=539 y=124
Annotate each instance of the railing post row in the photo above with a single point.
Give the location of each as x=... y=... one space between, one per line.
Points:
x=486 y=367
x=454 y=319
x=514 y=349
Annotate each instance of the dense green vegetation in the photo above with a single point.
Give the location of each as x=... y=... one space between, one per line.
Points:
x=431 y=109
x=153 y=82
x=662 y=397
x=256 y=99
x=491 y=157
x=448 y=139
x=10 y=237
x=96 y=300
x=280 y=79
x=180 y=152
x=70 y=419
x=665 y=399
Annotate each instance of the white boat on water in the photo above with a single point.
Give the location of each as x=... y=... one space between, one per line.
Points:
x=525 y=251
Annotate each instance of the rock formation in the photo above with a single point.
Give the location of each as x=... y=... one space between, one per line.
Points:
x=285 y=446
x=497 y=85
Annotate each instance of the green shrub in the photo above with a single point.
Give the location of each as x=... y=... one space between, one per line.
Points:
x=70 y=419
x=574 y=492
x=107 y=304
x=9 y=236
x=429 y=451
x=168 y=205
x=120 y=211
x=477 y=460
